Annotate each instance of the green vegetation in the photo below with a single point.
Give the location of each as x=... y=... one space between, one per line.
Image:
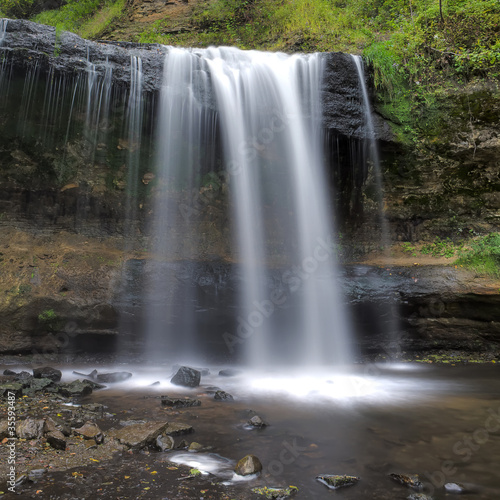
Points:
x=482 y=255
x=87 y=18
x=49 y=320
x=438 y=248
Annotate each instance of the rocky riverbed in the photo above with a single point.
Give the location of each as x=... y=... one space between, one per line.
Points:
x=383 y=438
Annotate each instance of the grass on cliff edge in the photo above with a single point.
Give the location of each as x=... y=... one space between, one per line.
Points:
x=482 y=255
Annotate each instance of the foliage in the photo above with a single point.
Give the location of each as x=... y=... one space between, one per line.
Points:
x=440 y=248
x=482 y=255
x=21 y=9
x=87 y=18
x=49 y=320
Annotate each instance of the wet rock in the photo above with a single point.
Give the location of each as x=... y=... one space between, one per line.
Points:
x=154 y=383
x=57 y=440
x=203 y=371
x=90 y=430
x=334 y=481
x=9 y=372
x=30 y=428
x=194 y=446
x=248 y=465
x=179 y=402
x=257 y=422
x=93 y=385
x=410 y=480
x=164 y=443
x=40 y=384
x=110 y=378
x=23 y=377
x=455 y=488
x=76 y=388
x=230 y=372
x=177 y=429
x=223 y=396
x=138 y=436
x=188 y=377
x=276 y=493
x=182 y=445
x=53 y=424
x=11 y=387
x=419 y=496
x=47 y=372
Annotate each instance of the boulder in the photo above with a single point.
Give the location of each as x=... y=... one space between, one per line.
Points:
x=47 y=372
x=187 y=377
x=76 y=388
x=248 y=465
x=138 y=436
x=40 y=384
x=257 y=422
x=11 y=387
x=93 y=385
x=53 y=424
x=223 y=396
x=177 y=429
x=30 y=428
x=110 y=378
x=57 y=440
x=334 y=481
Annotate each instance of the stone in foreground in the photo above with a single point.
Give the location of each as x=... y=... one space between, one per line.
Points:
x=111 y=378
x=410 y=480
x=276 y=493
x=455 y=488
x=186 y=376
x=47 y=372
x=257 y=422
x=76 y=388
x=334 y=481
x=419 y=496
x=248 y=465
x=179 y=402
x=57 y=440
x=30 y=428
x=223 y=396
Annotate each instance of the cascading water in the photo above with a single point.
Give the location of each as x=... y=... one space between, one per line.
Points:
x=268 y=108
x=393 y=346
x=185 y=133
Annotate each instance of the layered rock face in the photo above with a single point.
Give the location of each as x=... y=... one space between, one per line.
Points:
x=74 y=254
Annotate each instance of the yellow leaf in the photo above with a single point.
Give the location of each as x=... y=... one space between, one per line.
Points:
x=154 y=472
x=126 y=477
x=94 y=460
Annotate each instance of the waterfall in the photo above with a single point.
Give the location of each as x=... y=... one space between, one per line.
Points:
x=3 y=29
x=269 y=116
x=393 y=347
